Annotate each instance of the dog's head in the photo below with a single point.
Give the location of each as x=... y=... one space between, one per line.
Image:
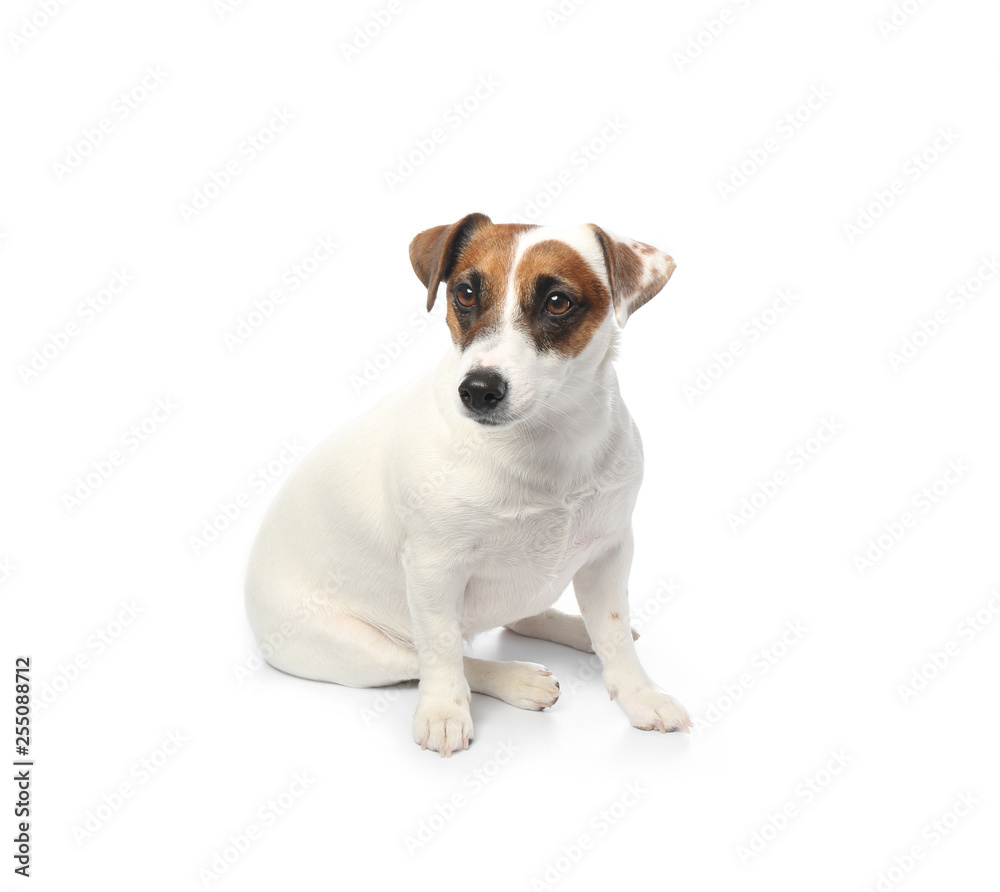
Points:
x=534 y=311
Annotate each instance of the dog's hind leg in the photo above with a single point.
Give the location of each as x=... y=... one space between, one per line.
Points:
x=561 y=628
x=331 y=645
x=524 y=685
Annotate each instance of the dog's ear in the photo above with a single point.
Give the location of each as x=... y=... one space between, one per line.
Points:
x=434 y=251
x=636 y=271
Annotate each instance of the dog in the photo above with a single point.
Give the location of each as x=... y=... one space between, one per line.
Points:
x=471 y=498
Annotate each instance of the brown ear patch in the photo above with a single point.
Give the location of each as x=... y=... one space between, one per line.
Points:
x=636 y=271
x=433 y=252
x=554 y=266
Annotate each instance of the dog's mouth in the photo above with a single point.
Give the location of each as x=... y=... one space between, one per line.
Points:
x=495 y=420
x=486 y=421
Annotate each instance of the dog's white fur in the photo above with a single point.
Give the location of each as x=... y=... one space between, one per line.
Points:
x=413 y=528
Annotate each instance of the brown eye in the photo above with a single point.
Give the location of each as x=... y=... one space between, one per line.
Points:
x=558 y=304
x=465 y=296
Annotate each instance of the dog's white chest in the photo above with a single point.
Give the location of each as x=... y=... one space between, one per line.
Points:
x=529 y=556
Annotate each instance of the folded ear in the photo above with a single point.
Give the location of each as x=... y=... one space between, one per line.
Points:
x=636 y=271
x=434 y=251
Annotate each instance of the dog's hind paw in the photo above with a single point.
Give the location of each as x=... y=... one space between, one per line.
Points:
x=526 y=686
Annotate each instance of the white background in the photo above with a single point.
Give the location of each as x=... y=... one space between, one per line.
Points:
x=684 y=115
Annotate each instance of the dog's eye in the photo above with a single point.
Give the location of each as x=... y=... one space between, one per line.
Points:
x=558 y=304
x=465 y=296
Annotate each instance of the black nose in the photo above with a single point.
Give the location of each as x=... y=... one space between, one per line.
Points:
x=482 y=390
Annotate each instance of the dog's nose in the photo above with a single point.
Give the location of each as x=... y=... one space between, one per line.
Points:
x=482 y=390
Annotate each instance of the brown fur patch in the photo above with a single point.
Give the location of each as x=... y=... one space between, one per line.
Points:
x=485 y=264
x=552 y=266
x=615 y=616
x=477 y=252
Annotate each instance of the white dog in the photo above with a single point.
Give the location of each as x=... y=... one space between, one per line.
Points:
x=471 y=498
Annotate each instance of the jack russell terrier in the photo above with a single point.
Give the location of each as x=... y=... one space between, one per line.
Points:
x=472 y=497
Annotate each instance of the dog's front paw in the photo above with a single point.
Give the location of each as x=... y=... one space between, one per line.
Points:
x=649 y=709
x=442 y=724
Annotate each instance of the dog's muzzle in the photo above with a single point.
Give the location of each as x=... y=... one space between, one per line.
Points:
x=482 y=392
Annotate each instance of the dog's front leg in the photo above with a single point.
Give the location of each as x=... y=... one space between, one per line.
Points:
x=601 y=589
x=442 y=721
